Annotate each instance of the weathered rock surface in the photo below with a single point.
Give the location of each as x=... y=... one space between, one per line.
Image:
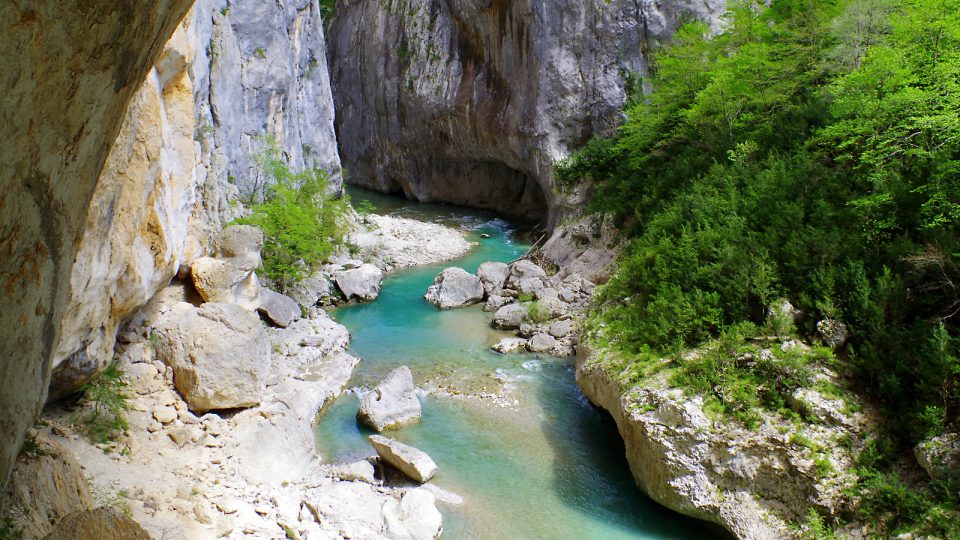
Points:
x=279 y=308
x=219 y=353
x=510 y=346
x=310 y=291
x=939 y=455
x=100 y=524
x=412 y=462
x=362 y=283
x=391 y=403
x=510 y=316
x=230 y=277
x=491 y=93
x=493 y=275
x=415 y=516
x=750 y=481
x=586 y=248
x=455 y=287
x=59 y=129
x=542 y=343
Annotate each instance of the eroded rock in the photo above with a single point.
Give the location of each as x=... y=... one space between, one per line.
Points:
x=493 y=275
x=361 y=283
x=280 y=309
x=455 y=287
x=392 y=403
x=411 y=461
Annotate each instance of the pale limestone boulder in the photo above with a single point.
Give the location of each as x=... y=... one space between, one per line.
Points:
x=542 y=343
x=510 y=316
x=310 y=291
x=280 y=309
x=238 y=241
x=362 y=283
x=219 y=353
x=526 y=272
x=229 y=281
x=455 y=287
x=495 y=302
x=413 y=517
x=562 y=329
x=411 y=461
x=358 y=471
x=510 y=346
x=494 y=276
x=392 y=403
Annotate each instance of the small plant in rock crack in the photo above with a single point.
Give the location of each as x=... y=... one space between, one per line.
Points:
x=104 y=401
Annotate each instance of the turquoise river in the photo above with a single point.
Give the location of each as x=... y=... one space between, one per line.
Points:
x=548 y=465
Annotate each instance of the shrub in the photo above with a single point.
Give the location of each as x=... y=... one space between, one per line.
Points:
x=106 y=399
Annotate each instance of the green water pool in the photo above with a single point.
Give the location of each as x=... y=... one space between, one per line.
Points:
x=549 y=466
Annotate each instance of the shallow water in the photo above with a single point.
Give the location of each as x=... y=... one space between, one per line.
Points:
x=551 y=466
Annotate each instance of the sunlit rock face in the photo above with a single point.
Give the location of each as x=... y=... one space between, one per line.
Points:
x=473 y=101
x=70 y=72
x=230 y=79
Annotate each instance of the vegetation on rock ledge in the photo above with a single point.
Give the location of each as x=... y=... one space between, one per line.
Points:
x=809 y=151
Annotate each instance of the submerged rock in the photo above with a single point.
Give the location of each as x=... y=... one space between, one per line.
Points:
x=411 y=461
x=220 y=355
x=362 y=283
x=280 y=309
x=510 y=346
x=455 y=287
x=392 y=403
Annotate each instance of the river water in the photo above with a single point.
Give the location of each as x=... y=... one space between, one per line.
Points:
x=548 y=466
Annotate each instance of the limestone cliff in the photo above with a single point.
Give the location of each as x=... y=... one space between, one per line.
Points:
x=473 y=101
x=229 y=75
x=70 y=72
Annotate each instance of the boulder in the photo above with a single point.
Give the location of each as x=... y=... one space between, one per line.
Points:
x=280 y=309
x=412 y=462
x=542 y=343
x=230 y=277
x=494 y=276
x=939 y=455
x=414 y=516
x=525 y=271
x=358 y=471
x=510 y=316
x=455 y=287
x=833 y=333
x=562 y=329
x=239 y=240
x=310 y=291
x=495 y=302
x=510 y=346
x=392 y=403
x=362 y=283
x=219 y=353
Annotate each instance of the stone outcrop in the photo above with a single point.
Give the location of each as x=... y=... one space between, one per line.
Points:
x=391 y=403
x=453 y=288
x=230 y=277
x=59 y=128
x=750 y=481
x=100 y=524
x=361 y=283
x=219 y=353
x=473 y=102
x=411 y=461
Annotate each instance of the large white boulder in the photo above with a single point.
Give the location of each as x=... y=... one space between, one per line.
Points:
x=510 y=316
x=493 y=275
x=411 y=461
x=230 y=277
x=220 y=355
x=392 y=403
x=455 y=287
x=362 y=283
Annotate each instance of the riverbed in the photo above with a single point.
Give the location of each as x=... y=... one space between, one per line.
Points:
x=537 y=461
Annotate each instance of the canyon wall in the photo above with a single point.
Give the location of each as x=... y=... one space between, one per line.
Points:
x=472 y=101
x=230 y=77
x=71 y=71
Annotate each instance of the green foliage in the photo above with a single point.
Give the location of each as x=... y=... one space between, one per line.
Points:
x=9 y=530
x=364 y=207
x=300 y=220
x=537 y=313
x=106 y=401
x=328 y=8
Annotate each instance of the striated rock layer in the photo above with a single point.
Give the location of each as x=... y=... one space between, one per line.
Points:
x=229 y=78
x=472 y=102
x=72 y=70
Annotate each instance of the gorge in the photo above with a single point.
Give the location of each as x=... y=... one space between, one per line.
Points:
x=684 y=173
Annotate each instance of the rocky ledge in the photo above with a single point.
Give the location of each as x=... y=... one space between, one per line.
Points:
x=753 y=482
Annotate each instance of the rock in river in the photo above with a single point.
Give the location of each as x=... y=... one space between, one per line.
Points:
x=455 y=287
x=410 y=461
x=510 y=316
x=362 y=283
x=392 y=403
x=510 y=346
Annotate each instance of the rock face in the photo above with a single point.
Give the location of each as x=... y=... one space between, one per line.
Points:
x=750 y=481
x=392 y=403
x=100 y=524
x=455 y=287
x=410 y=461
x=473 y=102
x=362 y=283
x=219 y=353
x=59 y=129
